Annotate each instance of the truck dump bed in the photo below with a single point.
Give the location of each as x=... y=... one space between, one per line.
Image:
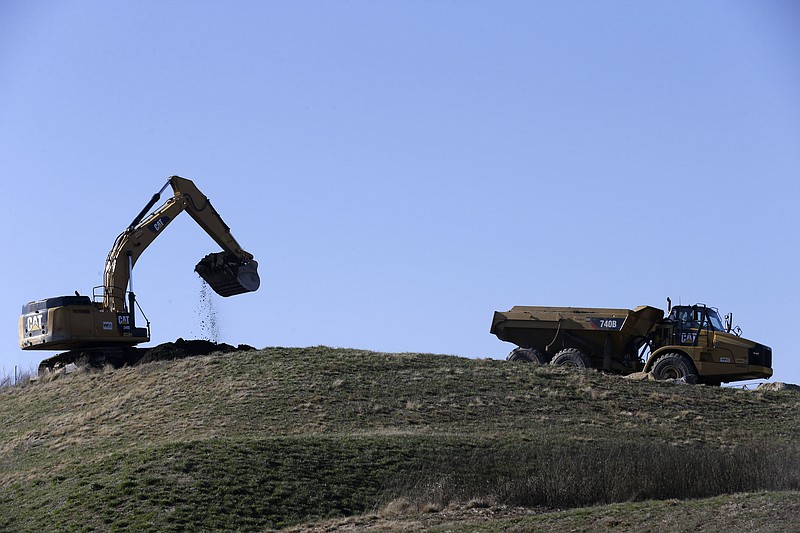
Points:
x=598 y=332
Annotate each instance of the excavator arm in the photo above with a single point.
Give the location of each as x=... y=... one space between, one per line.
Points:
x=232 y=271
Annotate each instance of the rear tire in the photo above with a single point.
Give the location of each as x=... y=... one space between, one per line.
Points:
x=528 y=355
x=674 y=366
x=572 y=358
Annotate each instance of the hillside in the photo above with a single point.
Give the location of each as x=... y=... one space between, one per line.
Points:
x=283 y=437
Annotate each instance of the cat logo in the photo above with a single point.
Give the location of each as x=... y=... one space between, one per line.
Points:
x=34 y=322
x=159 y=224
x=124 y=321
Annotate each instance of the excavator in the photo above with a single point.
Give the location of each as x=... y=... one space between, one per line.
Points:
x=104 y=329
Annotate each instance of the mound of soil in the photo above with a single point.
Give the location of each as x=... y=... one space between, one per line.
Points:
x=181 y=349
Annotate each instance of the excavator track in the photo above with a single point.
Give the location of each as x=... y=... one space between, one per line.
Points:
x=116 y=356
x=119 y=356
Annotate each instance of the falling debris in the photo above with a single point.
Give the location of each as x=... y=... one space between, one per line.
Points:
x=207 y=314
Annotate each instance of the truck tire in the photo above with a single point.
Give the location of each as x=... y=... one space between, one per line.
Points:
x=528 y=355
x=674 y=366
x=571 y=357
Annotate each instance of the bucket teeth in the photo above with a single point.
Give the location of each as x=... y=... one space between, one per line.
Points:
x=226 y=275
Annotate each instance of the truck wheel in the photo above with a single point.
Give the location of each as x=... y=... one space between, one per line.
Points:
x=674 y=366
x=571 y=357
x=527 y=355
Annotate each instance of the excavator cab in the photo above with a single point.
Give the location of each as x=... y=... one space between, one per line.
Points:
x=228 y=276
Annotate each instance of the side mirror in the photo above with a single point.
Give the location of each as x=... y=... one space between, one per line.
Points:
x=728 y=322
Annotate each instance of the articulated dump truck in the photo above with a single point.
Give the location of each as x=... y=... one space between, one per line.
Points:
x=691 y=343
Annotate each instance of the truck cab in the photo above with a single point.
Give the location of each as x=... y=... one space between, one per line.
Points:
x=717 y=351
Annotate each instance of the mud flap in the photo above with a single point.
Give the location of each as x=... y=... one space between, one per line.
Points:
x=228 y=276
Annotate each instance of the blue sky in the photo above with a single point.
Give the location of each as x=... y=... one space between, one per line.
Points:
x=400 y=170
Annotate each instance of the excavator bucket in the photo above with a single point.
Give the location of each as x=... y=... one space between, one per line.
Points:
x=228 y=276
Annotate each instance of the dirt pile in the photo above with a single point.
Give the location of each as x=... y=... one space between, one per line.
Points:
x=186 y=348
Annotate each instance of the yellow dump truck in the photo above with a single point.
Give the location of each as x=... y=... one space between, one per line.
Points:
x=691 y=343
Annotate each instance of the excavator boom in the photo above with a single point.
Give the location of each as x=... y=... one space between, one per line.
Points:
x=230 y=272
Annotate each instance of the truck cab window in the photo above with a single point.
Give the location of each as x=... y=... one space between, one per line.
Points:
x=692 y=317
x=716 y=322
x=686 y=317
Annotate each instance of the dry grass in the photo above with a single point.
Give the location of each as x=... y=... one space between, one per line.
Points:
x=739 y=513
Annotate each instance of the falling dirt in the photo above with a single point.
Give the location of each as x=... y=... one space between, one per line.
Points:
x=206 y=314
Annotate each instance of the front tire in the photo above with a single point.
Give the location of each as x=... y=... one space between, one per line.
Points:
x=674 y=366
x=528 y=355
x=572 y=358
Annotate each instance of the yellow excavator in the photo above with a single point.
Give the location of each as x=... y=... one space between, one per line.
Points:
x=104 y=328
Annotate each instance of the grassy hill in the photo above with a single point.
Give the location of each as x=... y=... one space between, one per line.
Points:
x=285 y=437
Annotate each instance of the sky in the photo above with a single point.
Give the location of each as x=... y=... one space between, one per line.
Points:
x=402 y=169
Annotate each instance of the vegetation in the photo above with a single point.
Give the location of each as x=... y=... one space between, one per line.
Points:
x=281 y=437
x=15 y=377
x=765 y=512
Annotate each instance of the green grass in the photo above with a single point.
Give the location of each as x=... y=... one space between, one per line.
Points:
x=282 y=436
